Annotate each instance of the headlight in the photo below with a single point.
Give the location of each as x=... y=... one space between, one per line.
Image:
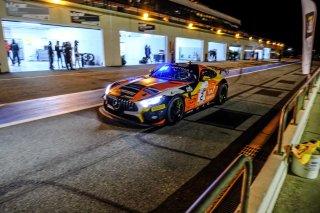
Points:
x=108 y=89
x=151 y=101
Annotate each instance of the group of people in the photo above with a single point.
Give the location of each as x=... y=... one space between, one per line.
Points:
x=14 y=48
x=64 y=53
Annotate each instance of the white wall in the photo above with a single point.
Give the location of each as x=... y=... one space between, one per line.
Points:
x=260 y=53
x=266 y=53
x=189 y=48
x=36 y=36
x=221 y=50
x=31 y=39
x=90 y=40
x=133 y=44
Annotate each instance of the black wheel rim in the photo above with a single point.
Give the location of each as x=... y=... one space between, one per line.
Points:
x=176 y=110
x=223 y=95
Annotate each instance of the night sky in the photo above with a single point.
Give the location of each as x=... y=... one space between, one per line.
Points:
x=279 y=20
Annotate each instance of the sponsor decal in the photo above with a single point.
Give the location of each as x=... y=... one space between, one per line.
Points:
x=26 y=10
x=157 y=108
x=84 y=18
x=202 y=92
x=310 y=18
x=309 y=14
x=146 y=27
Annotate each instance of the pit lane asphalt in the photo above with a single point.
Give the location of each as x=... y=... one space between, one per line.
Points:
x=75 y=163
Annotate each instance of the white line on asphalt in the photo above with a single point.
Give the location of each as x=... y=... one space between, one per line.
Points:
x=79 y=73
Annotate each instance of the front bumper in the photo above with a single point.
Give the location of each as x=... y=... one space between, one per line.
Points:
x=154 y=115
x=107 y=116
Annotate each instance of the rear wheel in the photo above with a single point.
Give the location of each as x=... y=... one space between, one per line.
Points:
x=175 y=110
x=222 y=94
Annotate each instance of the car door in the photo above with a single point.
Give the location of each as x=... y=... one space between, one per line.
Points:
x=208 y=87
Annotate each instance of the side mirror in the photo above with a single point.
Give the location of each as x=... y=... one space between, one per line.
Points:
x=151 y=71
x=205 y=78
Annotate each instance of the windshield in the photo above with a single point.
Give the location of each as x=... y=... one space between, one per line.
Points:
x=174 y=73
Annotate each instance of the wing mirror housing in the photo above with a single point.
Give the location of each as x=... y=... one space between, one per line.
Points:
x=205 y=78
x=151 y=71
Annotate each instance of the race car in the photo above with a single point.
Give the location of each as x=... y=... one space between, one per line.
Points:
x=165 y=95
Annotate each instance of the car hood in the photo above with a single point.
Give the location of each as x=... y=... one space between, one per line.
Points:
x=139 y=88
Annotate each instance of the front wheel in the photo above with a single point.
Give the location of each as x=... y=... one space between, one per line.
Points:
x=222 y=94
x=175 y=110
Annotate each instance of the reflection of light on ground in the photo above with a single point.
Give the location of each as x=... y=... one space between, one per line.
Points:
x=24 y=111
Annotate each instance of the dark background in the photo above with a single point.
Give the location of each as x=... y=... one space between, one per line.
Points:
x=277 y=20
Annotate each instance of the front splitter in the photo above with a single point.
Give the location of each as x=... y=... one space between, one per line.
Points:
x=108 y=117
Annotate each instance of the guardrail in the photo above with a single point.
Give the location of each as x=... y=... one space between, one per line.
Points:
x=215 y=193
x=295 y=103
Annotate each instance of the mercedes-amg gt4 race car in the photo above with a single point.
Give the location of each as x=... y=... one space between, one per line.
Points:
x=165 y=95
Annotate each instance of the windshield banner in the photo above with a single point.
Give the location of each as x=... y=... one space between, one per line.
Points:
x=309 y=14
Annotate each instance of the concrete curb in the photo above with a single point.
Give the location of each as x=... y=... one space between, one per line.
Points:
x=266 y=187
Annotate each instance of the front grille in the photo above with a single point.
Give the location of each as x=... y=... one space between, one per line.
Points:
x=120 y=104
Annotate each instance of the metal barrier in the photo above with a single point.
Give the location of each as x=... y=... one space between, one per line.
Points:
x=215 y=193
x=295 y=103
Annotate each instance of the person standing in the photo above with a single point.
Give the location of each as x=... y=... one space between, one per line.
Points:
x=7 y=46
x=147 y=51
x=50 y=52
x=214 y=54
x=14 y=47
x=58 y=50
x=68 y=55
x=76 y=53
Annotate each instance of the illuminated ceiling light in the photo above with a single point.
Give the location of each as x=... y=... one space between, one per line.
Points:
x=250 y=38
x=237 y=35
x=190 y=25
x=56 y=1
x=145 y=16
x=165 y=19
x=274 y=43
x=260 y=40
x=218 y=31
x=268 y=42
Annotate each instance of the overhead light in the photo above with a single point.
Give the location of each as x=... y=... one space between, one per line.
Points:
x=260 y=40
x=268 y=42
x=250 y=38
x=56 y=1
x=218 y=31
x=274 y=43
x=145 y=16
x=190 y=25
x=165 y=19
x=237 y=35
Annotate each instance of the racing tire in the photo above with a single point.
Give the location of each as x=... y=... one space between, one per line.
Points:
x=175 y=110
x=222 y=94
x=105 y=106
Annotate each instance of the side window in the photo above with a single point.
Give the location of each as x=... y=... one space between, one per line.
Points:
x=207 y=72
